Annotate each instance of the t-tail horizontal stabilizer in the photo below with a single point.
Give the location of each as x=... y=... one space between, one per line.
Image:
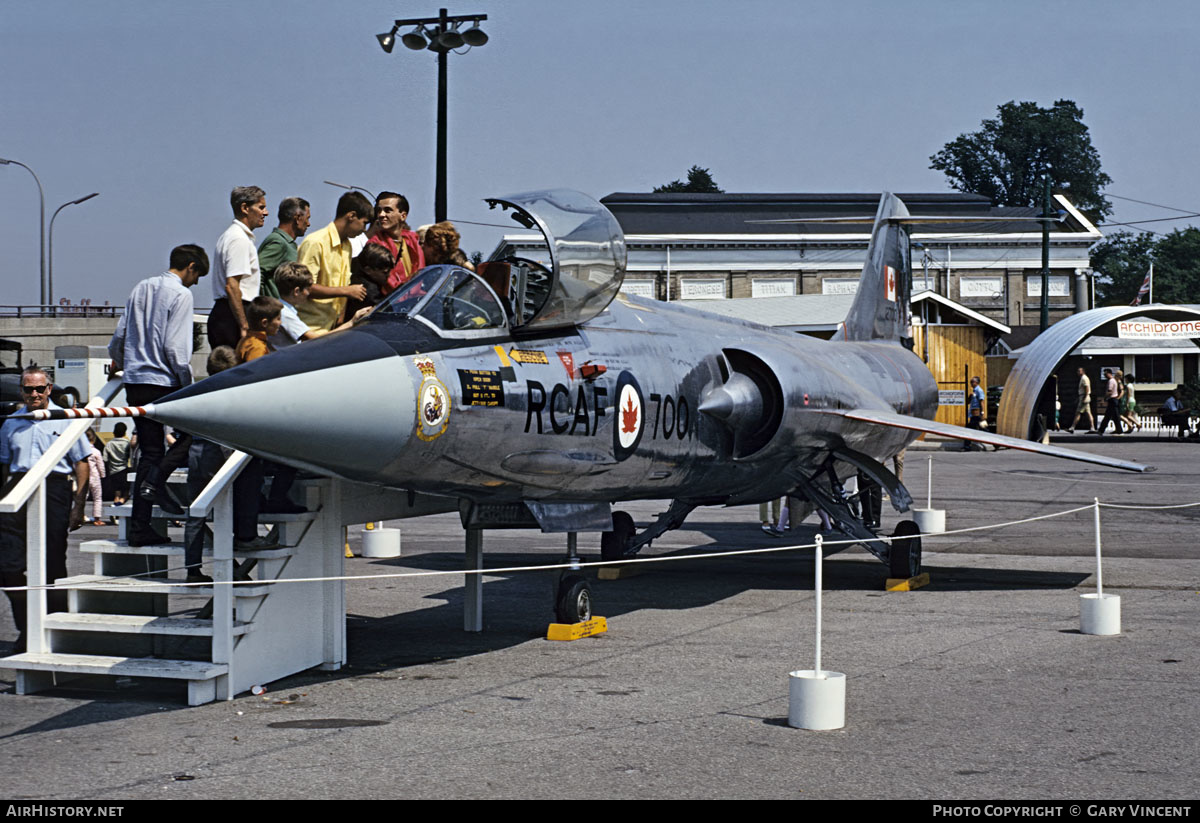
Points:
x=903 y=421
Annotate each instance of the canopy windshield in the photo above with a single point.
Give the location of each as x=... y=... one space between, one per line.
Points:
x=586 y=265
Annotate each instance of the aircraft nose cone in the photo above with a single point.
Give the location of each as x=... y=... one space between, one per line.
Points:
x=341 y=404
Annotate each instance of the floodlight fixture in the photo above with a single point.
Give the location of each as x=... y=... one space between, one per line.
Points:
x=449 y=39
x=387 y=41
x=474 y=36
x=441 y=35
x=415 y=39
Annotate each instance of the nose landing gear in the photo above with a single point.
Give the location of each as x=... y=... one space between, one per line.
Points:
x=573 y=595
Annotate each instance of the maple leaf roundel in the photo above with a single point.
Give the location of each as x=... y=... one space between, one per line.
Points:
x=630 y=416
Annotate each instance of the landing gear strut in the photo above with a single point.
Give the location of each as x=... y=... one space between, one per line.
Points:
x=614 y=543
x=624 y=541
x=573 y=596
x=903 y=556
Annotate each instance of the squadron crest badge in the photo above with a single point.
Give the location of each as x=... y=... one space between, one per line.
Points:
x=433 y=401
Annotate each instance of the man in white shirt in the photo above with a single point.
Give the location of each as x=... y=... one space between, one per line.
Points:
x=153 y=346
x=236 y=274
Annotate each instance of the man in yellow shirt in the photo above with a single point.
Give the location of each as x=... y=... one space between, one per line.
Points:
x=326 y=254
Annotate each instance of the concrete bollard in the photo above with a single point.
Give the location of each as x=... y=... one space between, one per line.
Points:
x=930 y=521
x=1100 y=614
x=816 y=700
x=380 y=542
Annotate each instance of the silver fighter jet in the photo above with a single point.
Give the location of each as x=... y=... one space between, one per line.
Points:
x=534 y=393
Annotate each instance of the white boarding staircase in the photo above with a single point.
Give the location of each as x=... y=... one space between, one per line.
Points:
x=135 y=617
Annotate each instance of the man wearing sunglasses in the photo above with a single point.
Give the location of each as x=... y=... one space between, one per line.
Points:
x=22 y=443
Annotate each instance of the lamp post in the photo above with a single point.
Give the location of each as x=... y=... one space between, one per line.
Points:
x=42 y=233
x=50 y=275
x=1044 y=319
x=440 y=35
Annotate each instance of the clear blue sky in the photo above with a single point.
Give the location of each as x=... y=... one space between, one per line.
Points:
x=163 y=107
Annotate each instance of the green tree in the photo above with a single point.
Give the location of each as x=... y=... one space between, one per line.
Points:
x=698 y=180
x=1121 y=263
x=1177 y=267
x=1009 y=157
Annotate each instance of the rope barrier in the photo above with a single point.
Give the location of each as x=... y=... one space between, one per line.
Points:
x=118 y=582
x=1066 y=478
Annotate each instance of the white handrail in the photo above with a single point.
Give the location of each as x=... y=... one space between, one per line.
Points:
x=33 y=478
x=204 y=502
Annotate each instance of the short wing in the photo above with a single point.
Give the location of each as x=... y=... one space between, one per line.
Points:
x=903 y=421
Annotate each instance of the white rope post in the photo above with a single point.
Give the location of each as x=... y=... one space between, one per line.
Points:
x=1099 y=613
x=929 y=486
x=928 y=519
x=818 y=584
x=817 y=698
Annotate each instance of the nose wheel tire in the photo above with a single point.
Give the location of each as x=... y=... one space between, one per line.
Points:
x=904 y=557
x=574 y=603
x=614 y=543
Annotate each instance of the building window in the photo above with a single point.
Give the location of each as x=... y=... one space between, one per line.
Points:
x=1152 y=368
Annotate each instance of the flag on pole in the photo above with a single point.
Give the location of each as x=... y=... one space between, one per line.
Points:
x=1147 y=285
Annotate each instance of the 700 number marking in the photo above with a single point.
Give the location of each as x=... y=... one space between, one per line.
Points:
x=672 y=417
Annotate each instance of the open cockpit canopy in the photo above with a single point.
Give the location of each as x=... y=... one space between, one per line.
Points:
x=584 y=263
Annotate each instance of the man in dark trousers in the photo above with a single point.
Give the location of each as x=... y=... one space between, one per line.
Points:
x=22 y=444
x=153 y=345
x=1112 y=394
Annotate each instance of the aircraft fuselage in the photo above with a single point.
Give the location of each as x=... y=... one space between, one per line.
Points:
x=605 y=411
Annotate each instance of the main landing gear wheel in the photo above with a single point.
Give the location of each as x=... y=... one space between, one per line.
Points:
x=614 y=543
x=904 y=558
x=574 y=604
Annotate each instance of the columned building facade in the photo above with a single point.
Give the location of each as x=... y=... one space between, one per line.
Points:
x=715 y=247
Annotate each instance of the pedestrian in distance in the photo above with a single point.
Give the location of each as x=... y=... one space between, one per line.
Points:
x=1083 y=404
x=1112 y=394
x=976 y=413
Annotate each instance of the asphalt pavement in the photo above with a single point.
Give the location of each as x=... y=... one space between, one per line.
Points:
x=978 y=686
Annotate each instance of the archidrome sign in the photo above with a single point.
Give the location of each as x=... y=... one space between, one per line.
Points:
x=1158 y=329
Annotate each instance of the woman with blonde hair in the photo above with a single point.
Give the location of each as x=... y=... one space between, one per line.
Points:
x=440 y=245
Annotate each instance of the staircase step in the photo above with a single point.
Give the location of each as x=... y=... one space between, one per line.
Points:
x=126 y=510
x=101 y=583
x=174 y=549
x=136 y=624
x=122 y=666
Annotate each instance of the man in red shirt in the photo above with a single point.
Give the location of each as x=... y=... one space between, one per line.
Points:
x=391 y=231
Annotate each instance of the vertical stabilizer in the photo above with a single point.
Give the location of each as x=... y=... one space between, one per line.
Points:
x=881 y=307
